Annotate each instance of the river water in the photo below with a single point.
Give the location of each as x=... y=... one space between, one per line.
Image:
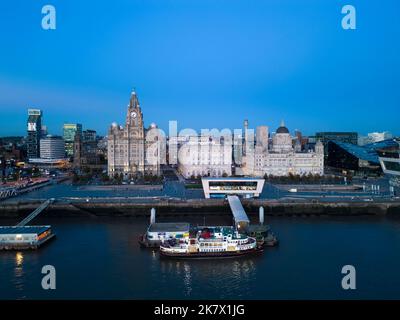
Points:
x=99 y=258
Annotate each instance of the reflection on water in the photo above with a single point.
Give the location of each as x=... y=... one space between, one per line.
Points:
x=19 y=271
x=101 y=259
x=19 y=259
x=229 y=276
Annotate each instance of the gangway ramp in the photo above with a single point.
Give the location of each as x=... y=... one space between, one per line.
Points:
x=35 y=213
x=239 y=215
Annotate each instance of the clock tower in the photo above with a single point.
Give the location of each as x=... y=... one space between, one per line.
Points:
x=126 y=146
x=134 y=116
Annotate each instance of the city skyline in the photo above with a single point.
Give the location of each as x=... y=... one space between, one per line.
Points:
x=279 y=60
x=196 y=156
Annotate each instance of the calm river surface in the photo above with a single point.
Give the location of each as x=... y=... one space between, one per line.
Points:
x=99 y=258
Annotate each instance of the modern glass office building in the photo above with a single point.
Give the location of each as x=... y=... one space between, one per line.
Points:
x=363 y=159
x=70 y=130
x=52 y=147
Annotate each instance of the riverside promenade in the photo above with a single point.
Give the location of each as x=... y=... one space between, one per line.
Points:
x=168 y=206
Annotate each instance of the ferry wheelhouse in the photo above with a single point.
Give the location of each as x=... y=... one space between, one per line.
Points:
x=203 y=242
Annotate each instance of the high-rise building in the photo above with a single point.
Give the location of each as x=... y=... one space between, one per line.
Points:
x=262 y=136
x=34 y=133
x=89 y=135
x=52 y=147
x=70 y=130
x=87 y=154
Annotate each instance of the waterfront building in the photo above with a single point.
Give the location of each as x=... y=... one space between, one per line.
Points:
x=70 y=130
x=174 y=144
x=281 y=157
x=346 y=137
x=52 y=147
x=155 y=150
x=390 y=163
x=205 y=155
x=242 y=186
x=34 y=133
x=360 y=159
x=237 y=149
x=127 y=146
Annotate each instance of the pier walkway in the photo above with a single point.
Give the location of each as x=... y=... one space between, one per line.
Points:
x=239 y=215
x=35 y=213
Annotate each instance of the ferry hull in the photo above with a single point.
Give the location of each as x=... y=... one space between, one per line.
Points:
x=211 y=255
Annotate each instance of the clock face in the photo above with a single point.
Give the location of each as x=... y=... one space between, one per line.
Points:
x=133 y=114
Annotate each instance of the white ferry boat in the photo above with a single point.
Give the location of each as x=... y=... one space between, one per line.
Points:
x=210 y=242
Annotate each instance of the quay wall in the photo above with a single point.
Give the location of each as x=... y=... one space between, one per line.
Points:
x=200 y=207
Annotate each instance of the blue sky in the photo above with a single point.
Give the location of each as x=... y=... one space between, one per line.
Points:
x=206 y=64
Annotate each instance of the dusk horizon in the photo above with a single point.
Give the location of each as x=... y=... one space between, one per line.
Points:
x=206 y=65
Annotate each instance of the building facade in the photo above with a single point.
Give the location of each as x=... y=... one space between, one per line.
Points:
x=87 y=153
x=34 y=133
x=70 y=130
x=282 y=158
x=221 y=187
x=373 y=137
x=205 y=156
x=89 y=135
x=52 y=147
x=362 y=160
x=126 y=146
x=346 y=137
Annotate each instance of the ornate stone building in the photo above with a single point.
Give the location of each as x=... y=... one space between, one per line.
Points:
x=126 y=145
x=205 y=156
x=281 y=158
